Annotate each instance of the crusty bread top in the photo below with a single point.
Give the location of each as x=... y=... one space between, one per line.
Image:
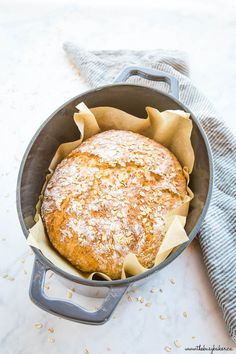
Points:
x=108 y=197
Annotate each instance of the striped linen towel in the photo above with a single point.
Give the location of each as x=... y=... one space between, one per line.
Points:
x=100 y=68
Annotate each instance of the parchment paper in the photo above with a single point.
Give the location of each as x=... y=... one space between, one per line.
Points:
x=170 y=128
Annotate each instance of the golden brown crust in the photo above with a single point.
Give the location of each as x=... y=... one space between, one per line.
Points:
x=108 y=198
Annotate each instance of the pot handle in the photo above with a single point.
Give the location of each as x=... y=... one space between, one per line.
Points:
x=65 y=308
x=150 y=74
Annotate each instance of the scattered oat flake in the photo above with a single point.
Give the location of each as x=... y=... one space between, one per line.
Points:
x=9 y=277
x=69 y=294
x=148 y=304
x=153 y=290
x=163 y=317
x=130 y=299
x=172 y=281
x=168 y=349
x=46 y=286
x=86 y=351
x=5 y=275
x=177 y=343
x=140 y=299
x=51 y=339
x=185 y=314
x=38 y=325
x=51 y=330
x=193 y=337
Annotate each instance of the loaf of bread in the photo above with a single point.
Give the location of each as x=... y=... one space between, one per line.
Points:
x=108 y=198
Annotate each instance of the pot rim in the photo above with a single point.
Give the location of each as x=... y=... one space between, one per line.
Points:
x=168 y=260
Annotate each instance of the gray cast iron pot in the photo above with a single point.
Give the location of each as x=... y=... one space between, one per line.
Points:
x=60 y=128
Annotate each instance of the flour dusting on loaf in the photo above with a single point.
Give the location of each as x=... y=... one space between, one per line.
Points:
x=108 y=198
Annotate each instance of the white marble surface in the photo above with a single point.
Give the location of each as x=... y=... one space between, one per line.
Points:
x=35 y=79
